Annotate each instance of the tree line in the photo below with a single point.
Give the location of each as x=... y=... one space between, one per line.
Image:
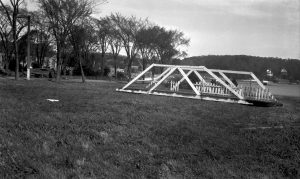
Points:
x=69 y=29
x=257 y=65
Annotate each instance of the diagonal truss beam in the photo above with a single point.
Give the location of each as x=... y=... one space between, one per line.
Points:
x=137 y=77
x=199 y=76
x=224 y=84
x=182 y=79
x=227 y=79
x=160 y=81
x=258 y=81
x=161 y=75
x=189 y=81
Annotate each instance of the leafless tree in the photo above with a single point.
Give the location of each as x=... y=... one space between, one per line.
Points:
x=62 y=15
x=6 y=36
x=115 y=43
x=42 y=37
x=11 y=12
x=128 y=28
x=103 y=31
x=83 y=39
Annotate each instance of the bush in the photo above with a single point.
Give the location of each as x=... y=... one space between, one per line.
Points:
x=88 y=71
x=3 y=72
x=121 y=75
x=12 y=66
x=106 y=71
x=35 y=65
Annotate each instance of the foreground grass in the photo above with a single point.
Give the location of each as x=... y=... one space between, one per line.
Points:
x=95 y=132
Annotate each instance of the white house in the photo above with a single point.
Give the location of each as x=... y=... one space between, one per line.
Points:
x=269 y=73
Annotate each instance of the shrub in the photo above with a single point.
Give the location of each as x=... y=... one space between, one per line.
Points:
x=121 y=75
x=35 y=65
x=12 y=66
x=106 y=71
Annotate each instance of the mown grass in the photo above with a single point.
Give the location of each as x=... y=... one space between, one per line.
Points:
x=95 y=132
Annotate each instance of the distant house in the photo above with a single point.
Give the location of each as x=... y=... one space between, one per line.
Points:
x=283 y=73
x=269 y=73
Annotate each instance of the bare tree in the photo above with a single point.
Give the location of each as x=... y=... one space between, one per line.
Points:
x=42 y=37
x=128 y=27
x=103 y=31
x=12 y=12
x=62 y=15
x=77 y=39
x=6 y=36
x=115 y=43
x=83 y=40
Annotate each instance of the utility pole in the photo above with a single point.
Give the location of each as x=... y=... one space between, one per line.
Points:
x=28 y=49
x=28 y=44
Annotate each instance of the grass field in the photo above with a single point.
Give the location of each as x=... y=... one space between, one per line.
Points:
x=95 y=132
x=291 y=90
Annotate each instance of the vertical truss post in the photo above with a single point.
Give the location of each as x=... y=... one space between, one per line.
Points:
x=189 y=81
x=137 y=77
x=166 y=76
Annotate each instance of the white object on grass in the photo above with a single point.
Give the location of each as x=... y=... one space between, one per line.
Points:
x=53 y=100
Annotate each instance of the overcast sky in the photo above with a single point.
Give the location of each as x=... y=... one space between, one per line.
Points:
x=269 y=28
x=224 y=27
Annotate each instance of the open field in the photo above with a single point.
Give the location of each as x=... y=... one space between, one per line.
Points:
x=95 y=132
x=291 y=90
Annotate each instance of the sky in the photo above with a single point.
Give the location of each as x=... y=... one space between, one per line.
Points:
x=269 y=28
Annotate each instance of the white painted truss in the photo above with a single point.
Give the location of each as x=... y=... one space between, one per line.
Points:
x=211 y=84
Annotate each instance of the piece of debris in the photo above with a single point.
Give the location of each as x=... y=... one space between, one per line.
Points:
x=53 y=100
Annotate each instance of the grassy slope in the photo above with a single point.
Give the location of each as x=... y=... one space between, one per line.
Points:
x=99 y=133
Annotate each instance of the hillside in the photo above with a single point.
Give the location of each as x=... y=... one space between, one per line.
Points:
x=258 y=65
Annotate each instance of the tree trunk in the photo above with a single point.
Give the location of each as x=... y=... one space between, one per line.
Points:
x=6 y=62
x=81 y=70
x=102 y=64
x=129 y=68
x=58 y=63
x=162 y=62
x=115 y=65
x=14 y=28
x=144 y=65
